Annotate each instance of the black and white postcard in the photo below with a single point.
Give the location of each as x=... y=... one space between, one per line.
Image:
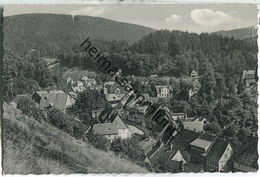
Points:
x=129 y=88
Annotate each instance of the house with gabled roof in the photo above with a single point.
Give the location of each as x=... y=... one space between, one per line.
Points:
x=112 y=128
x=173 y=157
x=113 y=99
x=219 y=156
x=53 y=98
x=196 y=152
x=200 y=147
x=177 y=155
x=163 y=91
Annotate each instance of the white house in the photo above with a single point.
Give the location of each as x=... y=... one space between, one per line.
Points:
x=70 y=81
x=80 y=84
x=162 y=91
x=113 y=99
x=194 y=125
x=111 y=130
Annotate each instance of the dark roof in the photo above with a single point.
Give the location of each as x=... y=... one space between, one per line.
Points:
x=107 y=114
x=248 y=153
x=207 y=137
x=166 y=153
x=183 y=139
x=179 y=114
x=217 y=150
x=130 y=99
x=152 y=109
x=192 y=167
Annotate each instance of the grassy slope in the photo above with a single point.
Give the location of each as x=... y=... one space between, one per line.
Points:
x=33 y=147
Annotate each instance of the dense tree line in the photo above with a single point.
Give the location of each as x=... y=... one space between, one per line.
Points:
x=173 y=53
x=24 y=74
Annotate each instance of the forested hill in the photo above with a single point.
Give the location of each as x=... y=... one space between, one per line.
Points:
x=51 y=33
x=180 y=52
x=177 y=53
x=243 y=33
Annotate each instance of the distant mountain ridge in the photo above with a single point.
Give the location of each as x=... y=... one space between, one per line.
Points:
x=242 y=33
x=57 y=32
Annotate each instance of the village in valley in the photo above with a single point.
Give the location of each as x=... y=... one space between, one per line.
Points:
x=167 y=137
x=166 y=89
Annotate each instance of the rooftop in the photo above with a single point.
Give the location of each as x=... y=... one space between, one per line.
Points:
x=204 y=141
x=160 y=87
x=106 y=115
x=217 y=149
x=195 y=125
x=104 y=129
x=183 y=139
x=57 y=98
x=204 y=144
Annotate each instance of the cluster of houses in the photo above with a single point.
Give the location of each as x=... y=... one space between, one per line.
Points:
x=179 y=140
x=193 y=150
x=82 y=84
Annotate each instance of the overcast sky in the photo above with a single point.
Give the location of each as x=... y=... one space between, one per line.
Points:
x=193 y=18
